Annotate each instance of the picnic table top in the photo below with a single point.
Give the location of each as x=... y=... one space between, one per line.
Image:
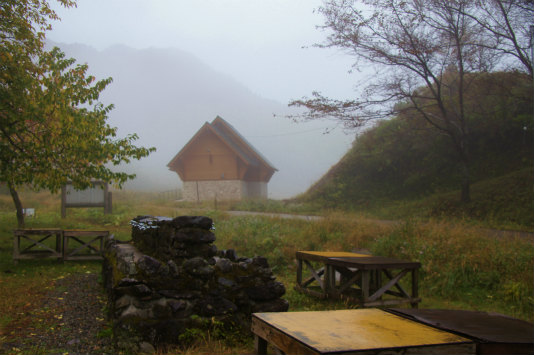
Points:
x=355 y=330
x=361 y=261
x=325 y=255
x=373 y=262
x=82 y=232
x=36 y=230
x=488 y=327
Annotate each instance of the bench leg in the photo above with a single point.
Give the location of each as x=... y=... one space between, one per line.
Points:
x=299 y=272
x=260 y=345
x=415 y=286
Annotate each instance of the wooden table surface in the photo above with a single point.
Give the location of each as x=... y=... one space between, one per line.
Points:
x=494 y=333
x=36 y=230
x=351 y=331
x=373 y=262
x=323 y=256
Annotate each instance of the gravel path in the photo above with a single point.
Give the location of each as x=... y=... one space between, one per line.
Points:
x=70 y=319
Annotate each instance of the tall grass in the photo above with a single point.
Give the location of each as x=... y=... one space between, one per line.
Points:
x=461 y=263
x=462 y=267
x=279 y=239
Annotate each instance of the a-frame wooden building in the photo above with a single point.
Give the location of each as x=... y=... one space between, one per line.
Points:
x=218 y=163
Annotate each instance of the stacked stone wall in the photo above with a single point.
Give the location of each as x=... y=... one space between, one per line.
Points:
x=171 y=277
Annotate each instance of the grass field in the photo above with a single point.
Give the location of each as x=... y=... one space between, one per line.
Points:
x=462 y=267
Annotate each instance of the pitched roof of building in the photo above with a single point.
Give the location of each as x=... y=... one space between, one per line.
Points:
x=233 y=139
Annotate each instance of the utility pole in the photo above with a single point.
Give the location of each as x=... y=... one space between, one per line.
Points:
x=532 y=53
x=532 y=63
x=532 y=50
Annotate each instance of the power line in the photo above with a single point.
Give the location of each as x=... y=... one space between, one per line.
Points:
x=325 y=129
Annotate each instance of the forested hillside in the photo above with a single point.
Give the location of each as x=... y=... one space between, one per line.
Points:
x=406 y=158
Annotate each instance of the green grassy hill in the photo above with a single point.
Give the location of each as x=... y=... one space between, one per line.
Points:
x=405 y=167
x=505 y=202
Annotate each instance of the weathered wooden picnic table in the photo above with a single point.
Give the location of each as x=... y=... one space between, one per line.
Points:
x=89 y=244
x=37 y=247
x=318 y=274
x=362 y=278
x=493 y=333
x=359 y=331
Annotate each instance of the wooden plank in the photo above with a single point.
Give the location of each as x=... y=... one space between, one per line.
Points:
x=38 y=243
x=32 y=235
x=37 y=255
x=34 y=231
x=393 y=281
x=370 y=279
x=356 y=276
x=315 y=275
x=415 y=286
x=83 y=233
x=330 y=278
x=362 y=331
x=390 y=302
x=494 y=333
x=16 y=248
x=312 y=278
x=85 y=245
x=311 y=292
x=400 y=275
x=373 y=262
x=260 y=345
x=84 y=257
x=76 y=235
x=322 y=256
x=279 y=339
x=299 y=272
x=365 y=285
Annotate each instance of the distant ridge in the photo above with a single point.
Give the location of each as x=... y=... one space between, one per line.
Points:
x=165 y=94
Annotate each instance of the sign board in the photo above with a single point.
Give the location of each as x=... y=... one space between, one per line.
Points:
x=28 y=212
x=95 y=196
x=92 y=195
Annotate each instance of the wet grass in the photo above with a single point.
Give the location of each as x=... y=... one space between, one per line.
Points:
x=462 y=267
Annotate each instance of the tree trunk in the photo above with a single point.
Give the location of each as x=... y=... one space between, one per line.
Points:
x=466 y=183
x=18 y=205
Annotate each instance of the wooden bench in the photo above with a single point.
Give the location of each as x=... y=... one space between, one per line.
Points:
x=493 y=333
x=86 y=240
x=368 y=279
x=359 y=331
x=36 y=239
x=89 y=244
x=365 y=279
x=319 y=281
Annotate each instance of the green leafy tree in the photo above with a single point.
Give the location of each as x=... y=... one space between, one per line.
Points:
x=52 y=127
x=424 y=51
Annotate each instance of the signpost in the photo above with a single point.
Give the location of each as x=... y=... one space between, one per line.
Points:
x=95 y=196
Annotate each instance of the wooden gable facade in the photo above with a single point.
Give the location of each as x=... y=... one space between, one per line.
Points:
x=218 y=163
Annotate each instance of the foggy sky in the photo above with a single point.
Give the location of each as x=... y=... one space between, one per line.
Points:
x=258 y=43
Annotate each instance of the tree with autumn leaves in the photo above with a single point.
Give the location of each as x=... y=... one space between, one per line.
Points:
x=426 y=55
x=53 y=129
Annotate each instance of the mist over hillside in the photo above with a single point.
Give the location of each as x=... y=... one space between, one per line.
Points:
x=166 y=95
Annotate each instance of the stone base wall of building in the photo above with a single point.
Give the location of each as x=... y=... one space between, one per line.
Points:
x=255 y=189
x=171 y=279
x=223 y=190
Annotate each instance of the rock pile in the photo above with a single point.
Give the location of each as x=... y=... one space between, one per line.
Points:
x=172 y=278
